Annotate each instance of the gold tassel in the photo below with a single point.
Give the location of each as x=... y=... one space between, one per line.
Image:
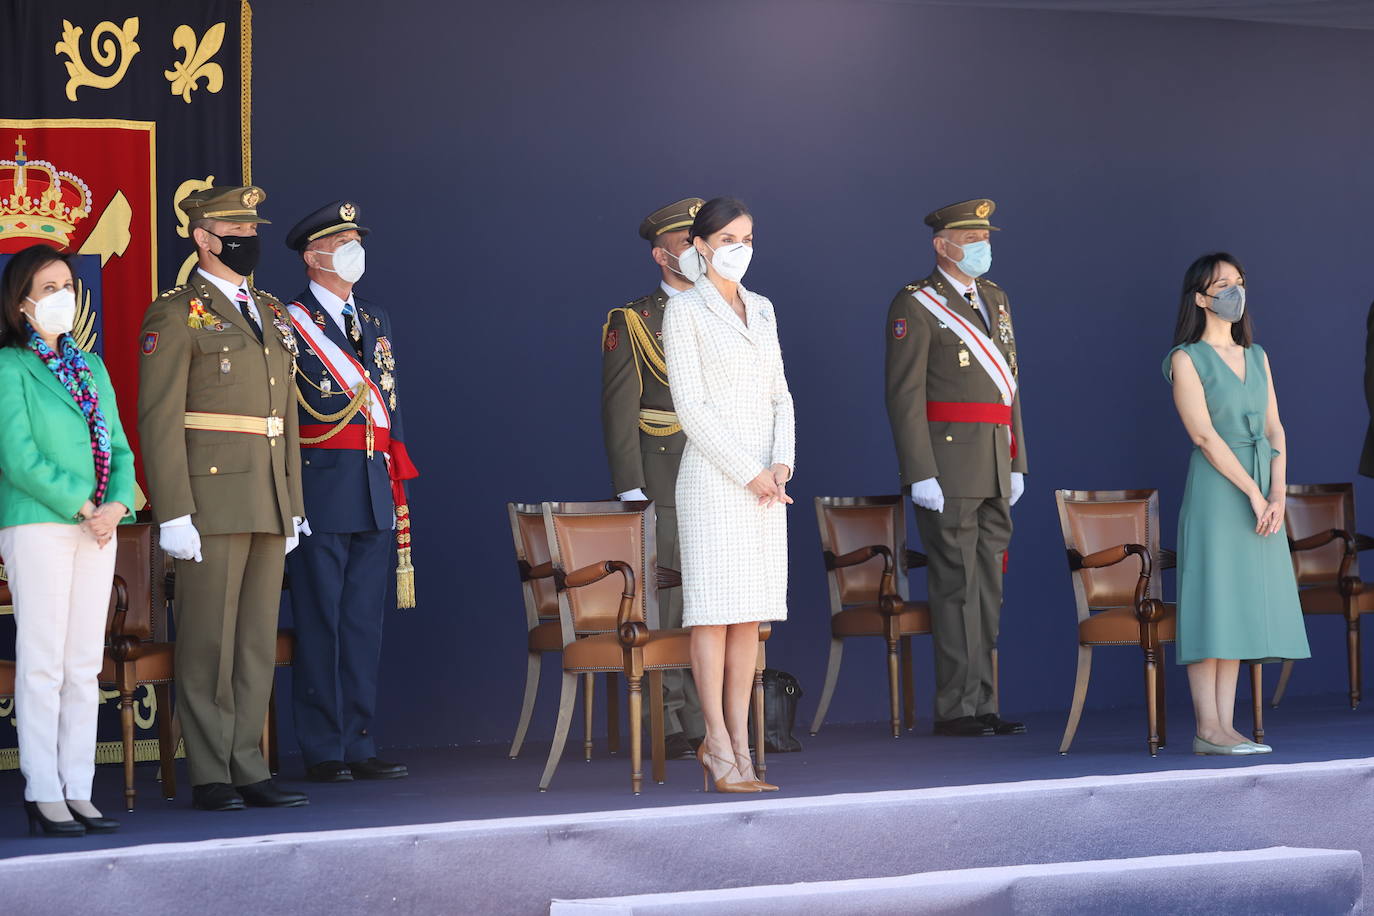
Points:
x=405 y=579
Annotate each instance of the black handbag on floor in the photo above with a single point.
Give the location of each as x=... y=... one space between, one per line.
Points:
x=780 y=695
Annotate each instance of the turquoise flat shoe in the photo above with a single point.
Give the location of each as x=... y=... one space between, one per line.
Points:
x=1206 y=748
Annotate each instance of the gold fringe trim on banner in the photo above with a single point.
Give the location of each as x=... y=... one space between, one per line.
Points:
x=145 y=749
x=246 y=88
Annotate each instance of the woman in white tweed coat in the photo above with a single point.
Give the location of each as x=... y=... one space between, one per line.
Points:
x=725 y=366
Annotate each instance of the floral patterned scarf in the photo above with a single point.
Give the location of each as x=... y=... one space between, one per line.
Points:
x=75 y=375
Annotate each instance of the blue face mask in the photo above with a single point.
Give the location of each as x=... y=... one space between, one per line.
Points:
x=977 y=259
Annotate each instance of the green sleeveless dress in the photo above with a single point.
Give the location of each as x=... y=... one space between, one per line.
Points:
x=1237 y=597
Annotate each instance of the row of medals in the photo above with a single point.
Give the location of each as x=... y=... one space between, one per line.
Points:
x=1003 y=334
x=381 y=355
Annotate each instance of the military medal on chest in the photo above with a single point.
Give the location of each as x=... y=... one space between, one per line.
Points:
x=963 y=358
x=288 y=336
x=386 y=362
x=198 y=316
x=1005 y=335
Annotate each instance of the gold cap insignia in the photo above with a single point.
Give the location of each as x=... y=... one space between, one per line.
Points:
x=693 y=210
x=983 y=210
x=348 y=212
x=250 y=198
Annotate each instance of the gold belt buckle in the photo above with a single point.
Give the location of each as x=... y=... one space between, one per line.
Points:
x=276 y=426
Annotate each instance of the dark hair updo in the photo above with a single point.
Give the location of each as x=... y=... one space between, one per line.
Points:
x=715 y=215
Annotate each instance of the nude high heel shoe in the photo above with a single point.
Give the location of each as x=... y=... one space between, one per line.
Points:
x=722 y=783
x=749 y=761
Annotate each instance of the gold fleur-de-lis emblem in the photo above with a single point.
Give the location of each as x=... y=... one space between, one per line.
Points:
x=111 y=46
x=196 y=65
x=348 y=212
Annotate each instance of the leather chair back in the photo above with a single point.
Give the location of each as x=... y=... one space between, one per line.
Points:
x=1094 y=520
x=849 y=522
x=139 y=562
x=532 y=548
x=1314 y=508
x=581 y=534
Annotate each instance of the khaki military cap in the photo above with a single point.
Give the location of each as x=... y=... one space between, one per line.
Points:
x=234 y=205
x=675 y=216
x=968 y=214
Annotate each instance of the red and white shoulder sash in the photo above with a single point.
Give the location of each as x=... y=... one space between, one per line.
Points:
x=978 y=343
x=342 y=365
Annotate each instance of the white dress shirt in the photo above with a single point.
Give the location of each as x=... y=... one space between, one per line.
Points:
x=961 y=289
x=231 y=292
x=333 y=305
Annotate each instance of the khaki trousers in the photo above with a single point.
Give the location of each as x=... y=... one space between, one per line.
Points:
x=965 y=543
x=226 y=647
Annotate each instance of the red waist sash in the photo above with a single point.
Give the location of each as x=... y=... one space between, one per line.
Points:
x=970 y=412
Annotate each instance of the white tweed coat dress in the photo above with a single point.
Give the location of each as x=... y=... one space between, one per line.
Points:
x=732 y=400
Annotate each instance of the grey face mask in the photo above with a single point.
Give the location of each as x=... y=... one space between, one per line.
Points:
x=1229 y=304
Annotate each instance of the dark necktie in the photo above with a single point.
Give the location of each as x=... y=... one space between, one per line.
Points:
x=248 y=314
x=968 y=294
x=355 y=336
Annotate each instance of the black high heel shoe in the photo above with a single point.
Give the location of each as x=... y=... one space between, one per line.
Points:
x=96 y=824
x=38 y=824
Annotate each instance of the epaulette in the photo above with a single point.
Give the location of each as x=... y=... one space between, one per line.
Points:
x=634 y=303
x=989 y=283
x=169 y=293
x=263 y=292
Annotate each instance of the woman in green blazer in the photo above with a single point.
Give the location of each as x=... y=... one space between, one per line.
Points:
x=66 y=481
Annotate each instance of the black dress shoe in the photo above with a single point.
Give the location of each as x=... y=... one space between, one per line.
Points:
x=329 y=771
x=96 y=824
x=1001 y=726
x=372 y=768
x=216 y=796
x=677 y=747
x=267 y=794
x=963 y=727
x=38 y=824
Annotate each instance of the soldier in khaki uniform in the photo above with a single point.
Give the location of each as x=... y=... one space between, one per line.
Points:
x=956 y=418
x=643 y=439
x=217 y=418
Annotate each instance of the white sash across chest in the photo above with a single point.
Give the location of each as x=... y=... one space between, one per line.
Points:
x=978 y=343
x=343 y=366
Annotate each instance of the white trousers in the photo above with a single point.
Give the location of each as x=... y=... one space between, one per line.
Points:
x=60 y=580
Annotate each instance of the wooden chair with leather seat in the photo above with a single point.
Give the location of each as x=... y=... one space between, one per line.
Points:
x=545 y=632
x=137 y=650
x=604 y=564
x=867 y=562
x=1320 y=519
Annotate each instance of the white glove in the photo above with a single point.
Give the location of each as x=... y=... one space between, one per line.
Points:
x=928 y=495
x=1018 y=486
x=180 y=539
x=302 y=527
x=634 y=494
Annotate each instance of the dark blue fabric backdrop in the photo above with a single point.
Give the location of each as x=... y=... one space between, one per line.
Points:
x=504 y=154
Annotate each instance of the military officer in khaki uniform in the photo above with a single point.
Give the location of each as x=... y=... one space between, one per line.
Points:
x=953 y=402
x=643 y=439
x=217 y=418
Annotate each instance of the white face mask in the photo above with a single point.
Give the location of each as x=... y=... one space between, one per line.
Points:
x=731 y=261
x=350 y=260
x=688 y=264
x=55 y=313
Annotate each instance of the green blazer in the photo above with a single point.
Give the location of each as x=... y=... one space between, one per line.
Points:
x=46 y=471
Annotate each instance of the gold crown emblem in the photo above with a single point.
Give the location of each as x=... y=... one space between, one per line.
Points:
x=38 y=200
x=348 y=212
x=251 y=197
x=983 y=210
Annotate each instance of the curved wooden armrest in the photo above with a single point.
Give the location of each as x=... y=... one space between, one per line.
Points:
x=1321 y=539
x=120 y=644
x=1168 y=559
x=1110 y=557
x=528 y=572
x=915 y=559
x=861 y=555
x=669 y=577
x=593 y=573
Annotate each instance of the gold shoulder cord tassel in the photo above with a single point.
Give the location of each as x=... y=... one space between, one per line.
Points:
x=405 y=572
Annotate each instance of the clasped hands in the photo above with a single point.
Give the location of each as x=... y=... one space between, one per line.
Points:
x=770 y=486
x=100 y=523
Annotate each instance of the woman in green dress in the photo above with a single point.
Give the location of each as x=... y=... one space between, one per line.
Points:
x=1237 y=597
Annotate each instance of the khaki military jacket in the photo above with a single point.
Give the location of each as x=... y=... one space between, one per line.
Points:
x=633 y=379
x=228 y=482
x=927 y=361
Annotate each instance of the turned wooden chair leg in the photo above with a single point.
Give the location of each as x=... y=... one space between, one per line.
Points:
x=656 y=737
x=566 y=699
x=532 y=666
x=1080 y=693
x=1282 y=686
x=1257 y=699
x=126 y=728
x=166 y=740
x=1151 y=694
x=1352 y=641
x=612 y=712
x=832 y=674
x=760 y=722
x=893 y=686
x=588 y=707
x=1161 y=700
x=908 y=686
x=634 y=678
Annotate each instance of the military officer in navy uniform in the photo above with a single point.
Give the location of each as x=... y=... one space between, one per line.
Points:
x=353 y=467
x=643 y=438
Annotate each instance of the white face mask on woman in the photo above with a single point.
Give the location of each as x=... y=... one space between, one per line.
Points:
x=688 y=263
x=350 y=260
x=731 y=261
x=55 y=313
